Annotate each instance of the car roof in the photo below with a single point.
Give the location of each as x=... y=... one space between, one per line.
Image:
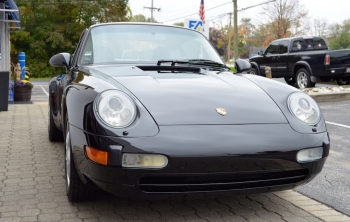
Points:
x=141 y=23
x=299 y=38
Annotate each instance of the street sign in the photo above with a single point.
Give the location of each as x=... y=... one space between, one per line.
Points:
x=197 y=25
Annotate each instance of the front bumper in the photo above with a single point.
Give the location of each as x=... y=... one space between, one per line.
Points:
x=203 y=159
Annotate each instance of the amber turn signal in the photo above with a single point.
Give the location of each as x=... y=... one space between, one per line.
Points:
x=96 y=156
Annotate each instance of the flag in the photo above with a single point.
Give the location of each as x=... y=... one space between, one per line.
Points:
x=201 y=12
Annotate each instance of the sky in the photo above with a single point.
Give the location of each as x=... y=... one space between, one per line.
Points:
x=335 y=11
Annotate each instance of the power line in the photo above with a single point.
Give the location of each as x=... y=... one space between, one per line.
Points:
x=197 y=13
x=188 y=9
x=19 y=2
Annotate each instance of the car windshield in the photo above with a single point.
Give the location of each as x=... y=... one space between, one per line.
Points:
x=132 y=43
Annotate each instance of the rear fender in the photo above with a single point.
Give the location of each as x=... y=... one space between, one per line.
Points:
x=305 y=65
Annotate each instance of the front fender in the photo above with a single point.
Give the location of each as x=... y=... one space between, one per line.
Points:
x=256 y=66
x=79 y=99
x=279 y=93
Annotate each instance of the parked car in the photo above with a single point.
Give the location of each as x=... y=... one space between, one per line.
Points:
x=303 y=61
x=149 y=110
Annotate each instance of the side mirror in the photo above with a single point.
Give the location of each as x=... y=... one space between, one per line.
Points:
x=242 y=66
x=260 y=53
x=60 y=60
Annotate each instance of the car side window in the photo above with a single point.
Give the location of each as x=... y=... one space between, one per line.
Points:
x=87 y=55
x=75 y=55
x=297 y=46
x=272 y=49
x=309 y=44
x=320 y=44
x=283 y=48
x=303 y=45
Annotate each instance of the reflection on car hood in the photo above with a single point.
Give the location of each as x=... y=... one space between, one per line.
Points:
x=188 y=98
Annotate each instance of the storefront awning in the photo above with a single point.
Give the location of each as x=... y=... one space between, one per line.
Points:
x=12 y=14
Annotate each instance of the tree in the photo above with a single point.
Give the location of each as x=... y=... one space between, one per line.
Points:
x=179 y=24
x=141 y=18
x=48 y=29
x=245 y=36
x=318 y=27
x=339 y=35
x=284 y=18
x=216 y=37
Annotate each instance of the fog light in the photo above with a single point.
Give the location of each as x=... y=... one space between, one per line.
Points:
x=144 y=160
x=308 y=155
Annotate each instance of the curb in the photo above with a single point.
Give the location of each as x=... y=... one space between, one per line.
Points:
x=330 y=97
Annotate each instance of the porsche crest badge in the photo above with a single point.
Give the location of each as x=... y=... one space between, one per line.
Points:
x=221 y=111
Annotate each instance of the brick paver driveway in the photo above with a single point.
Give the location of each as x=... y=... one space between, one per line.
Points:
x=32 y=187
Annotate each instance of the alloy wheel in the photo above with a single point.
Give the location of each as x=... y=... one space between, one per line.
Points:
x=68 y=159
x=302 y=80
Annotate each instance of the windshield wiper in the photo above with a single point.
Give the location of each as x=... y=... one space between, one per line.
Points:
x=209 y=64
x=212 y=64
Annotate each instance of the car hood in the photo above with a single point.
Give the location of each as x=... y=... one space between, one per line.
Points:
x=189 y=98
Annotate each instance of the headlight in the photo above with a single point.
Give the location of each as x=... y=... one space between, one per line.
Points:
x=115 y=108
x=144 y=160
x=304 y=108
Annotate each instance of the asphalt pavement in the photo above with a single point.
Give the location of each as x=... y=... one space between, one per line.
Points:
x=40 y=91
x=331 y=186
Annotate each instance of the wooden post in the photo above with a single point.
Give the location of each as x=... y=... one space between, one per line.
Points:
x=268 y=72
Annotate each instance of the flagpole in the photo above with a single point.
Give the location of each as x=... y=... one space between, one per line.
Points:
x=152 y=12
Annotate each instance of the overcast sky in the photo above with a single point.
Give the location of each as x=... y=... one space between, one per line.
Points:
x=335 y=11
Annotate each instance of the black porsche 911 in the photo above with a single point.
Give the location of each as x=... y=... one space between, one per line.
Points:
x=149 y=110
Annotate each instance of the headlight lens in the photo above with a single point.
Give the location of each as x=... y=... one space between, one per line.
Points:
x=308 y=155
x=115 y=108
x=144 y=160
x=304 y=108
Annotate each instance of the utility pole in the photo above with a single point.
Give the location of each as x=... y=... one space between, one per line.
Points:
x=152 y=9
x=235 y=23
x=229 y=40
x=235 y=39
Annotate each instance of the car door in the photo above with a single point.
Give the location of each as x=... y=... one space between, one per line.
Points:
x=66 y=78
x=269 y=58
x=281 y=60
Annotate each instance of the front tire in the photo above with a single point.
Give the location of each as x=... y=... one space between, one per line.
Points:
x=290 y=81
x=254 y=71
x=75 y=188
x=55 y=135
x=303 y=79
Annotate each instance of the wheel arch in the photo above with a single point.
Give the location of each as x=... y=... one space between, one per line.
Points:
x=300 y=65
x=255 y=65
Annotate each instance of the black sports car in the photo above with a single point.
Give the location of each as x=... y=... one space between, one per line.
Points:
x=151 y=110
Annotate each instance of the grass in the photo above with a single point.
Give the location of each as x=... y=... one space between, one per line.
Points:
x=43 y=78
x=233 y=69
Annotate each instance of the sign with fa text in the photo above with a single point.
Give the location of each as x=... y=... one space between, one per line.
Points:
x=197 y=24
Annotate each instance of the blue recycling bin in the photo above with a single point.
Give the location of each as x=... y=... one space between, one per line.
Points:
x=22 y=62
x=11 y=91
